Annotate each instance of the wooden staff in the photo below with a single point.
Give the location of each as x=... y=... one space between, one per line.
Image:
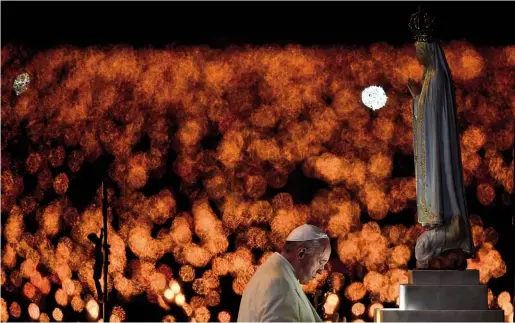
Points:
x=106 y=250
x=512 y=198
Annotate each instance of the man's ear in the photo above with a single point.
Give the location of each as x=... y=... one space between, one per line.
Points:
x=302 y=252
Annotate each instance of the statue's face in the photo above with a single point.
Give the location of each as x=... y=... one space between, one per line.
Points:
x=420 y=53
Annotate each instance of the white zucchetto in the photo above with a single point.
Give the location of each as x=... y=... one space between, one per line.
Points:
x=307 y=232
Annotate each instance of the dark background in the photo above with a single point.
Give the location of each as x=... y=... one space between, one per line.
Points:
x=40 y=25
x=46 y=24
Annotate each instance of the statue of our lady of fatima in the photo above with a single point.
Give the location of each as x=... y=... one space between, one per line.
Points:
x=441 y=200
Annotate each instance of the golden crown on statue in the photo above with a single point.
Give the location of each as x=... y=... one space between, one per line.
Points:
x=421 y=25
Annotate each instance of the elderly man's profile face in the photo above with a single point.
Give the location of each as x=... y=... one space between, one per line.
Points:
x=312 y=262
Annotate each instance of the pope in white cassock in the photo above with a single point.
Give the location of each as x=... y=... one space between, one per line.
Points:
x=274 y=293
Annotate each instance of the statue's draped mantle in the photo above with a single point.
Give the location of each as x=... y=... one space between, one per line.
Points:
x=441 y=200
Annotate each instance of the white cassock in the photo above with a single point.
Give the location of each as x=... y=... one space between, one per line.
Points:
x=275 y=295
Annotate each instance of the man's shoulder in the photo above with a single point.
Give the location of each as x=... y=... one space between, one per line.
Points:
x=271 y=270
x=266 y=288
x=275 y=280
x=275 y=283
x=269 y=278
x=272 y=275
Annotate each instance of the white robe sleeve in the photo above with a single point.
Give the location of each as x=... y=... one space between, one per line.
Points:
x=279 y=303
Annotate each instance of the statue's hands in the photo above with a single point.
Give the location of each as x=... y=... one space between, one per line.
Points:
x=414 y=88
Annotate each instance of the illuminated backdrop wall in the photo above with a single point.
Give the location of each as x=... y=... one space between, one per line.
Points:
x=203 y=146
